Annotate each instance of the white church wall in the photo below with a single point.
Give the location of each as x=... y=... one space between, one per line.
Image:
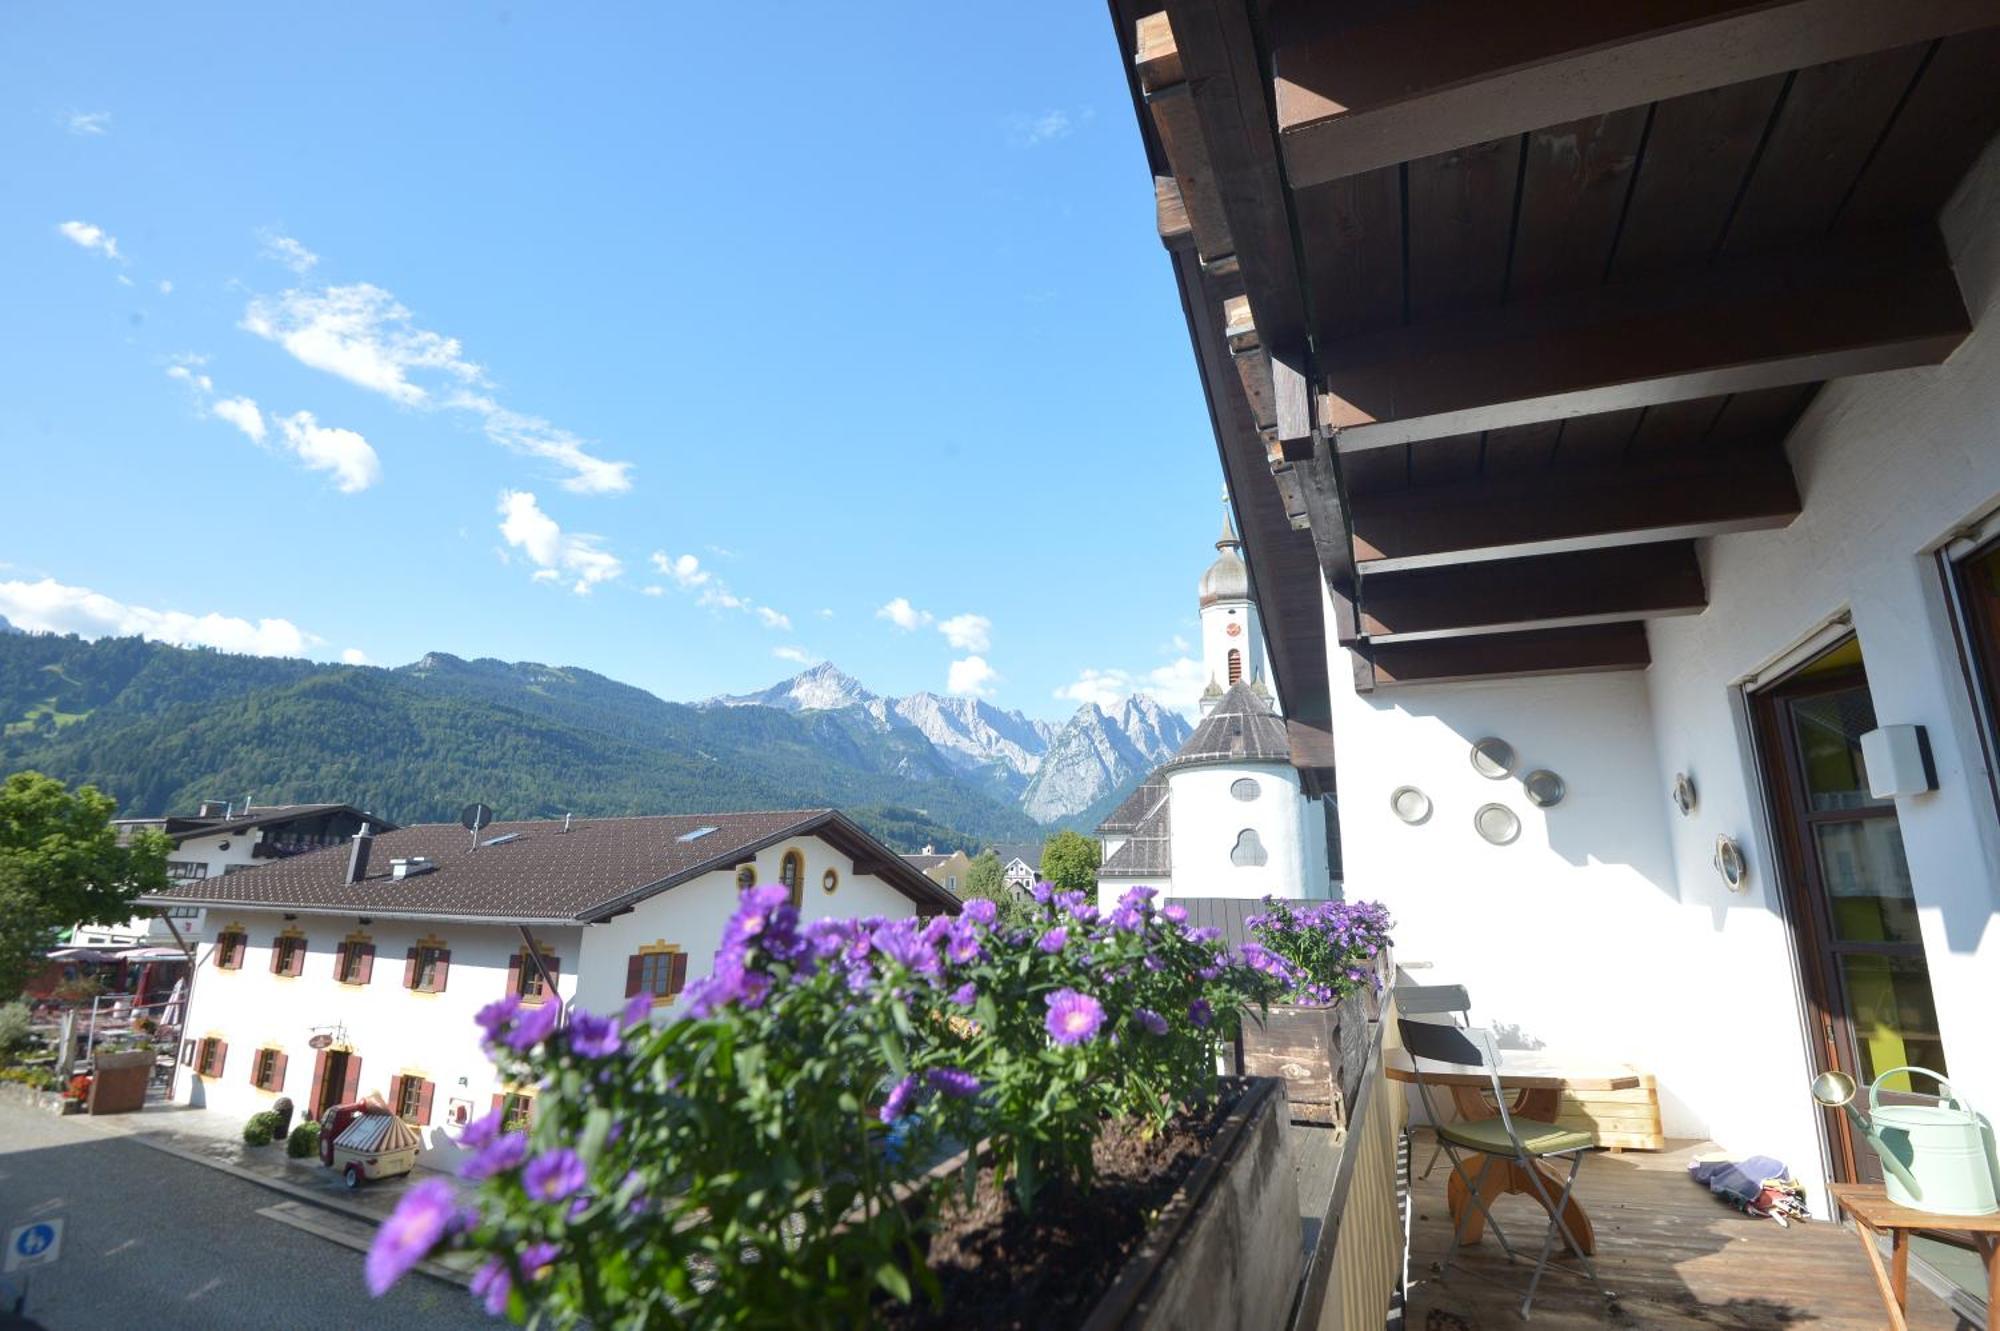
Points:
x=1208 y=820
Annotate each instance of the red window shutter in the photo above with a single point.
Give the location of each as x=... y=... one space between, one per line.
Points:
x=278 y=1072
x=440 y=971
x=277 y=954
x=221 y=1056
x=635 y=966
x=677 y=975
x=350 y=1090
x=396 y=1094
x=314 y=1102
x=256 y=1058
x=410 y=969
x=367 y=960
x=424 y=1104
x=499 y=1103
x=514 y=974
x=554 y=965
x=299 y=958
x=340 y=961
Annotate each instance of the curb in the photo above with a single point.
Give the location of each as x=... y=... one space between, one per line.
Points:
x=292 y=1190
x=434 y=1269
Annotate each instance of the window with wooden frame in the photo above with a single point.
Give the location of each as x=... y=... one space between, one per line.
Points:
x=792 y=873
x=524 y=977
x=746 y=877
x=1235 y=666
x=659 y=969
x=410 y=1097
x=212 y=1055
x=267 y=1069
x=229 y=946
x=288 y=953
x=517 y=1110
x=426 y=966
x=354 y=960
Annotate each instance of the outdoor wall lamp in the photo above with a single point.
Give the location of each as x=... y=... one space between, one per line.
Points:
x=1899 y=762
x=1684 y=796
x=1730 y=864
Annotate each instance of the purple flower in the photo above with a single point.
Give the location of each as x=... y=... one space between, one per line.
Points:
x=1174 y=913
x=491 y=1284
x=1138 y=897
x=1150 y=1021
x=554 y=1175
x=961 y=944
x=1152 y=962
x=496 y=1157
x=966 y=994
x=902 y=942
x=980 y=911
x=638 y=1010
x=593 y=1036
x=730 y=982
x=954 y=1082
x=418 y=1224
x=1069 y=900
x=534 y=1025
x=1126 y=918
x=898 y=1103
x=1200 y=1012
x=1205 y=933
x=1073 y=1017
x=493 y=1018
x=1084 y=913
x=1054 y=940
x=481 y=1131
x=1042 y=892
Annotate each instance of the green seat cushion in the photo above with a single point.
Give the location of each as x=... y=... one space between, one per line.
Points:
x=1490 y=1135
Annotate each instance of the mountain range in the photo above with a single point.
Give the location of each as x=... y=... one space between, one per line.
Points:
x=161 y=728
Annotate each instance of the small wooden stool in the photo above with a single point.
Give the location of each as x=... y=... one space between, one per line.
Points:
x=1876 y=1214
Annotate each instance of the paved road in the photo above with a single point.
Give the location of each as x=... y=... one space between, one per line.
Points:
x=152 y=1241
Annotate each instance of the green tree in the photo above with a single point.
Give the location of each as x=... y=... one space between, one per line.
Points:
x=1070 y=860
x=61 y=865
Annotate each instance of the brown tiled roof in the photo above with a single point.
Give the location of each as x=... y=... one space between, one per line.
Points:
x=599 y=868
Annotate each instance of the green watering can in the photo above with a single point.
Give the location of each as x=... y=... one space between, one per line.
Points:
x=1934 y=1155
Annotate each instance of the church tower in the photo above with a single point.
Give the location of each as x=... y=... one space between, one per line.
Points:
x=1232 y=638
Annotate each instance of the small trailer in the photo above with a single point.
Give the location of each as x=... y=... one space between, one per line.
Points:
x=367 y=1141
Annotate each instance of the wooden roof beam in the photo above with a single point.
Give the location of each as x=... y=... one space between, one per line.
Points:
x=1564 y=651
x=1559 y=512
x=1541 y=591
x=1402 y=82
x=1885 y=303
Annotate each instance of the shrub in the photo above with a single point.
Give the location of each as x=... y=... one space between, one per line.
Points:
x=42 y=1079
x=304 y=1141
x=732 y=1168
x=14 y=1026
x=1327 y=949
x=257 y=1132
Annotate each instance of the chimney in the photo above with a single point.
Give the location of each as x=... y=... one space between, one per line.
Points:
x=565 y=822
x=357 y=855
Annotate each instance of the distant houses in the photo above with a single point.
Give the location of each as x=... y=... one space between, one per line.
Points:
x=947 y=871
x=1020 y=863
x=589 y=912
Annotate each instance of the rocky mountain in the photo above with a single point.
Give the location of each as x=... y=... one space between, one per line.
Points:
x=1100 y=754
x=1052 y=773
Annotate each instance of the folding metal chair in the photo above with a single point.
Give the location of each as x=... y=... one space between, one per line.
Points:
x=1420 y=1000
x=1525 y=1140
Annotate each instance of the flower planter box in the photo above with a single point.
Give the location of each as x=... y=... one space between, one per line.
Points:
x=1225 y=1253
x=1316 y=1051
x=118 y=1083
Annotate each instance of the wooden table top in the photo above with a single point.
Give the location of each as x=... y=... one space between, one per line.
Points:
x=1521 y=1070
x=1869 y=1203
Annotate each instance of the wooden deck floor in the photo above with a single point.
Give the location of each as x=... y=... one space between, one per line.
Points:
x=1675 y=1257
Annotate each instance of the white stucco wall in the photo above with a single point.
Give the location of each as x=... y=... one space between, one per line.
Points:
x=1207 y=820
x=1605 y=928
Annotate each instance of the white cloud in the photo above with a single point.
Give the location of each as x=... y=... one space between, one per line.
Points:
x=559 y=554
x=364 y=335
x=50 y=606
x=354 y=656
x=89 y=124
x=904 y=615
x=721 y=598
x=970 y=677
x=285 y=250
x=773 y=619
x=347 y=455
x=92 y=238
x=968 y=633
x=1177 y=684
x=124 y=281
x=652 y=589
x=796 y=655
x=242 y=413
x=1028 y=131
x=824 y=613
x=683 y=569
x=166 y=287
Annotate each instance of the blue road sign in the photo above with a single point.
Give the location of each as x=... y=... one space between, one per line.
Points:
x=34 y=1244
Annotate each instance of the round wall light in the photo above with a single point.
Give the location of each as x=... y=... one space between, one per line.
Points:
x=1410 y=804
x=1730 y=864
x=1497 y=824
x=1684 y=796
x=1545 y=789
x=1493 y=758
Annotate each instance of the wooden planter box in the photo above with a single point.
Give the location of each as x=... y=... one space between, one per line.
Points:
x=118 y=1081
x=1316 y=1051
x=1225 y=1254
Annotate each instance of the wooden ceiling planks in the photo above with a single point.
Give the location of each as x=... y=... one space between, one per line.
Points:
x=1543 y=591
x=1577 y=650
x=1948 y=117
x=1574 y=187
x=1352 y=234
x=1461 y=219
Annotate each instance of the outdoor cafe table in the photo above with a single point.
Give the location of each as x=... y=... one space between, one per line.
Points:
x=1538 y=1079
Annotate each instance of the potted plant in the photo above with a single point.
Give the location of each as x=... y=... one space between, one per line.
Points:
x=1330 y=955
x=888 y=1122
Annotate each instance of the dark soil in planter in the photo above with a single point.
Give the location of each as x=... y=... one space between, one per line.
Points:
x=1001 y=1268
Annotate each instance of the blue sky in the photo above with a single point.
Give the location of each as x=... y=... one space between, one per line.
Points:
x=680 y=343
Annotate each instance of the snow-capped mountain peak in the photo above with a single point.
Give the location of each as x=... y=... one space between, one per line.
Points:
x=821 y=688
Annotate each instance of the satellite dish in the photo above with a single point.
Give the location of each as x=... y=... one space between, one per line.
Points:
x=475 y=816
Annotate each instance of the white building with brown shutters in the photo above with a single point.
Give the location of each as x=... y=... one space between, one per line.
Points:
x=582 y=912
